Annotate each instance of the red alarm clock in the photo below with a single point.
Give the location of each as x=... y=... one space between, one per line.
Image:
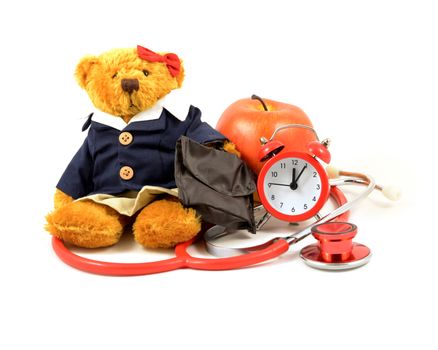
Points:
x=293 y=186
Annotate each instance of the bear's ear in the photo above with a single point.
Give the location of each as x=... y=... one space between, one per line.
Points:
x=83 y=69
x=180 y=76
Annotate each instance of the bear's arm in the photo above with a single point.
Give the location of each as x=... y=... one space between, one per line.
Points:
x=77 y=180
x=61 y=199
x=231 y=148
x=203 y=133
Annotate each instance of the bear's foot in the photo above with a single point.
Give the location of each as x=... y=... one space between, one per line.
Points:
x=165 y=223
x=86 y=224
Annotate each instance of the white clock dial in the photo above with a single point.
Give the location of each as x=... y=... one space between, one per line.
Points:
x=292 y=186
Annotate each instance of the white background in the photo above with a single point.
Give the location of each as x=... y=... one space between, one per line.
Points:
x=364 y=71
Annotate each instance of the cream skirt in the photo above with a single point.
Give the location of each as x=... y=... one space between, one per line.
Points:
x=129 y=203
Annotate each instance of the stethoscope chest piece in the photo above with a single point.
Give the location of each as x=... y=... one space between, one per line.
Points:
x=335 y=249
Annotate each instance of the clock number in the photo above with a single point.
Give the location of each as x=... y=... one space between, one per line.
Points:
x=272 y=197
x=314 y=198
x=293 y=210
x=314 y=174
x=318 y=186
x=281 y=204
x=283 y=165
x=305 y=206
x=274 y=174
x=294 y=162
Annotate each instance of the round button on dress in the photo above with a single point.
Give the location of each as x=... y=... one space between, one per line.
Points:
x=125 y=138
x=126 y=172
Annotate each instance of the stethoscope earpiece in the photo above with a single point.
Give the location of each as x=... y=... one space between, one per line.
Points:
x=393 y=193
x=332 y=172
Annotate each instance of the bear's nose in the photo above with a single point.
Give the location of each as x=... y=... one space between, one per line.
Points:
x=129 y=85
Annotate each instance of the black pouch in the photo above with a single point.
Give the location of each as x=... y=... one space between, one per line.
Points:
x=217 y=184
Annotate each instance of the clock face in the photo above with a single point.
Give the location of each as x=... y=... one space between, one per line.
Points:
x=293 y=186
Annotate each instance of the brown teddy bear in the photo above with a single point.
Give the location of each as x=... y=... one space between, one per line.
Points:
x=124 y=172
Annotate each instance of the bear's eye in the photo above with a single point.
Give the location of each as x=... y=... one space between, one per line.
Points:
x=145 y=72
x=114 y=75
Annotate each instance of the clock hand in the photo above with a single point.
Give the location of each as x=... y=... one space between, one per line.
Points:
x=294 y=184
x=272 y=183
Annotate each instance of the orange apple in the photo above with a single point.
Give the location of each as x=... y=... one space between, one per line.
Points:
x=247 y=120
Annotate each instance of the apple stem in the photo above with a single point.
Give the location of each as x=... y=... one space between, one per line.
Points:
x=255 y=97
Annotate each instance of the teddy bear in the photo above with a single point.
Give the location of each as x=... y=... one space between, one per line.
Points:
x=122 y=177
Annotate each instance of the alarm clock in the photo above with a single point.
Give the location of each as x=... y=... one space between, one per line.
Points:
x=293 y=186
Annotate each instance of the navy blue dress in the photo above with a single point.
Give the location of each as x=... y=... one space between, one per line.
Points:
x=151 y=155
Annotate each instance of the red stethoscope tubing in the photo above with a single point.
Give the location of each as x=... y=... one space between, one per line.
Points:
x=182 y=258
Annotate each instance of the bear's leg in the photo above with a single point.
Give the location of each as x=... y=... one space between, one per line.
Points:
x=86 y=224
x=165 y=223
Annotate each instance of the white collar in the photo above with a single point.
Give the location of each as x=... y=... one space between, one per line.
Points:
x=174 y=102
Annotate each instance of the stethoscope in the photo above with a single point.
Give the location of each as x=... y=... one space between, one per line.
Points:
x=246 y=256
x=334 y=250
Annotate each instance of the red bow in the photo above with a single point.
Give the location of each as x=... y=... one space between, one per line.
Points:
x=172 y=60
